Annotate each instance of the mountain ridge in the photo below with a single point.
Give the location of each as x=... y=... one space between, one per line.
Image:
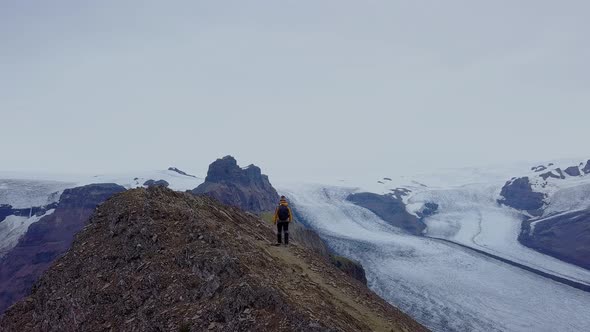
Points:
x=153 y=259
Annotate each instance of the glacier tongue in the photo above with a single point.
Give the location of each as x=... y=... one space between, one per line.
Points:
x=470 y=215
x=446 y=287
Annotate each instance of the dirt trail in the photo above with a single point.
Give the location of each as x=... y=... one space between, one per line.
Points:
x=339 y=294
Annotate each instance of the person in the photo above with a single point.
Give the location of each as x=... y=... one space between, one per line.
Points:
x=283 y=216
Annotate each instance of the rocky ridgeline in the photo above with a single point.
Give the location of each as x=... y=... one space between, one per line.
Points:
x=157 y=260
x=246 y=188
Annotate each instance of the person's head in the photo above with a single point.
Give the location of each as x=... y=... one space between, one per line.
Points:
x=283 y=200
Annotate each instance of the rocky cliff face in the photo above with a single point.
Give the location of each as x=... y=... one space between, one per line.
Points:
x=245 y=188
x=389 y=208
x=47 y=239
x=157 y=260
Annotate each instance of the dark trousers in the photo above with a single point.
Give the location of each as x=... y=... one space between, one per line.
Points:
x=283 y=226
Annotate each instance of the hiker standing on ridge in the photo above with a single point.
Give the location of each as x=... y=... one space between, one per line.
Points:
x=283 y=216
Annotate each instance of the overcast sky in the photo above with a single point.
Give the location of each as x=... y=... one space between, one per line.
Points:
x=301 y=88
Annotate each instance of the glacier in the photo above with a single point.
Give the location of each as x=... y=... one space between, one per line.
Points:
x=444 y=286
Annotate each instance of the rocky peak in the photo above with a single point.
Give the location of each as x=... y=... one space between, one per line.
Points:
x=246 y=188
x=586 y=168
x=157 y=260
x=226 y=170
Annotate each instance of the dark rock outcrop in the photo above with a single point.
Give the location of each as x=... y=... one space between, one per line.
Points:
x=518 y=193
x=174 y=169
x=557 y=175
x=47 y=239
x=539 y=168
x=157 y=260
x=350 y=267
x=564 y=236
x=573 y=171
x=158 y=183
x=429 y=209
x=390 y=209
x=586 y=168
x=246 y=188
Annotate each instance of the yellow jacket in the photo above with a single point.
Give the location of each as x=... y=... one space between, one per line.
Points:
x=276 y=216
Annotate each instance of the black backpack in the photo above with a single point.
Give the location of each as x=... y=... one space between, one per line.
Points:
x=283 y=213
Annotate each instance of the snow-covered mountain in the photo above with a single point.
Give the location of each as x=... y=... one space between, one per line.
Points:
x=472 y=249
